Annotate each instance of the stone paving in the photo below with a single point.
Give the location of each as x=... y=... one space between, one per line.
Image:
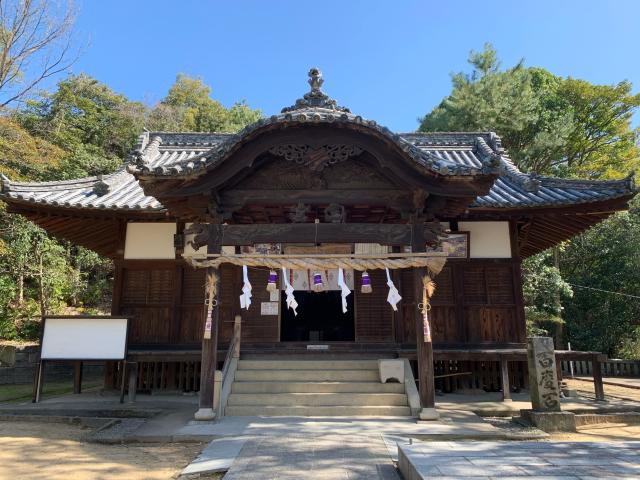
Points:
x=549 y=460
x=321 y=457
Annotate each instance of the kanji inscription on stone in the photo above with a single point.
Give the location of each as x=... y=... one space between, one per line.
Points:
x=543 y=378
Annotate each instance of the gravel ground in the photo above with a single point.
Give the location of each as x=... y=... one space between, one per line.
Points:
x=53 y=451
x=586 y=388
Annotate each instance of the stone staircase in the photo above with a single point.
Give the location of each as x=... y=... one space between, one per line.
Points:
x=314 y=388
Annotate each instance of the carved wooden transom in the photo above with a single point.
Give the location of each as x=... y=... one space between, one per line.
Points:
x=281 y=174
x=316 y=159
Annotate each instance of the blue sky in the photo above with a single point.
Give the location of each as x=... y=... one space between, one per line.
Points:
x=386 y=60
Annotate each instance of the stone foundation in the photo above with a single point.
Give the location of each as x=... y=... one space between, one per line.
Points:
x=551 y=421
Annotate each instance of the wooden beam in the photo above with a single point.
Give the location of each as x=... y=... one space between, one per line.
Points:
x=394 y=198
x=389 y=234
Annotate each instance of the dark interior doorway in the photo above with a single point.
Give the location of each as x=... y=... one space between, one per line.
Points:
x=319 y=319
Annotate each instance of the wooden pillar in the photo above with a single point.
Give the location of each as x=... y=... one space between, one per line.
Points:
x=597 y=378
x=77 y=377
x=208 y=362
x=424 y=350
x=504 y=372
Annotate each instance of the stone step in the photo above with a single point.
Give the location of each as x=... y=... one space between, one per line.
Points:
x=308 y=365
x=316 y=387
x=327 y=411
x=318 y=399
x=243 y=375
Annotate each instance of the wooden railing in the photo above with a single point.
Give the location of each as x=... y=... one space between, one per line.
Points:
x=223 y=379
x=610 y=368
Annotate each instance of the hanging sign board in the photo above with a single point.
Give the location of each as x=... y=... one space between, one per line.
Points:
x=84 y=338
x=269 y=308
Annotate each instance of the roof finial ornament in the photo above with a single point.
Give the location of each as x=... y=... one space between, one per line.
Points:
x=315 y=79
x=316 y=98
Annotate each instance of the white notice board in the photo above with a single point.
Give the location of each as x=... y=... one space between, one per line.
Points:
x=84 y=338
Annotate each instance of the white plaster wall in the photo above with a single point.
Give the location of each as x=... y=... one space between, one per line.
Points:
x=146 y=241
x=488 y=239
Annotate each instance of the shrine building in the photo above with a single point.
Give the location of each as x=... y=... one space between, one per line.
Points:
x=326 y=202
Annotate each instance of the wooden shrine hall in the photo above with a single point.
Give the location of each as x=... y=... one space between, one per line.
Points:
x=320 y=200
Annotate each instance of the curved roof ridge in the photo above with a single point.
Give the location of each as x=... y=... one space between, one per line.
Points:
x=530 y=182
x=578 y=183
x=310 y=115
x=102 y=183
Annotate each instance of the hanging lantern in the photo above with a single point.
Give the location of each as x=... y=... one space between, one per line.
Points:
x=365 y=283
x=318 y=286
x=271 y=283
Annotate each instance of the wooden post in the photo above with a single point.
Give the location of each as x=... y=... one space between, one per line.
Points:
x=38 y=381
x=209 y=358
x=597 y=378
x=133 y=381
x=77 y=377
x=237 y=325
x=504 y=372
x=123 y=372
x=559 y=373
x=424 y=350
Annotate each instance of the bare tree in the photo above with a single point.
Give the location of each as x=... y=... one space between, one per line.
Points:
x=35 y=44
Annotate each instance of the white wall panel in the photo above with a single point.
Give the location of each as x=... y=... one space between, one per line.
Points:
x=149 y=241
x=488 y=239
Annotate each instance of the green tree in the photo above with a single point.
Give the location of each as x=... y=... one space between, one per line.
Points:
x=601 y=142
x=549 y=124
x=543 y=291
x=95 y=126
x=24 y=156
x=605 y=258
x=189 y=107
x=36 y=276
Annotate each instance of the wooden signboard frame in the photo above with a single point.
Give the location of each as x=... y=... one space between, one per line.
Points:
x=77 y=376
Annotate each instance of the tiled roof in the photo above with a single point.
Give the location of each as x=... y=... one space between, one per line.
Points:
x=162 y=155
x=117 y=191
x=448 y=152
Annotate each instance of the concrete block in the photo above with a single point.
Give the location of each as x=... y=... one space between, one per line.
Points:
x=570 y=393
x=391 y=369
x=551 y=421
x=205 y=414
x=429 y=414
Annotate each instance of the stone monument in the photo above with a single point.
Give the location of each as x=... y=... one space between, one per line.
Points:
x=544 y=389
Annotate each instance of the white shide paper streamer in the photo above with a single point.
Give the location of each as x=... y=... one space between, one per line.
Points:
x=291 y=301
x=394 y=296
x=344 y=290
x=245 y=298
